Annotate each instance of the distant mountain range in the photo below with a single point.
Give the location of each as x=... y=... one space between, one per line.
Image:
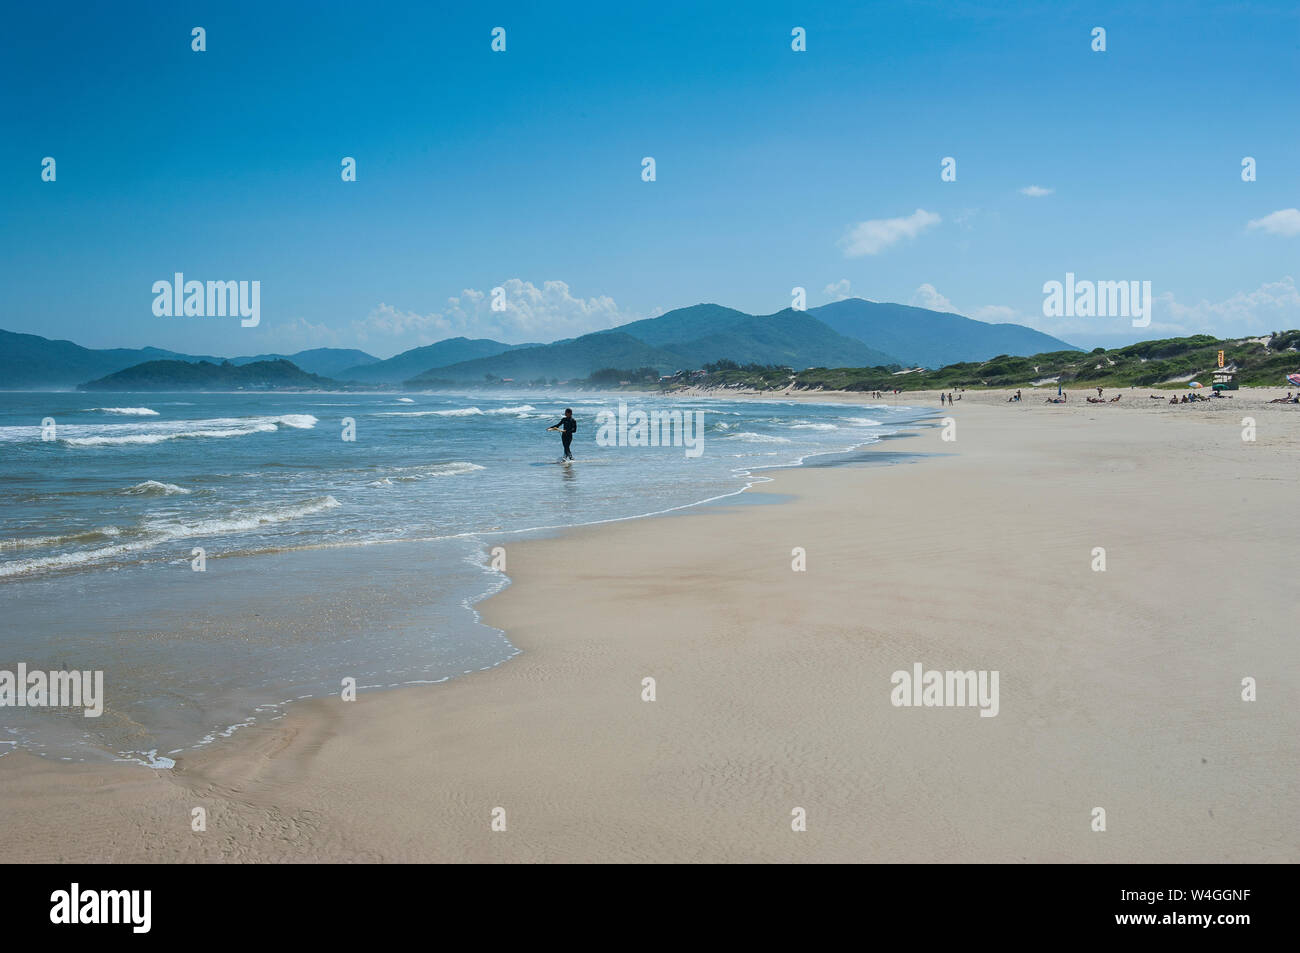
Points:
x=31 y=361
x=923 y=338
x=416 y=361
x=789 y=337
x=849 y=333
x=338 y=362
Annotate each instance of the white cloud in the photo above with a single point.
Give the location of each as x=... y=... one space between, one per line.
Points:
x=1285 y=222
x=874 y=236
x=296 y=334
x=1036 y=191
x=1272 y=306
x=532 y=313
x=837 y=290
x=927 y=296
x=996 y=314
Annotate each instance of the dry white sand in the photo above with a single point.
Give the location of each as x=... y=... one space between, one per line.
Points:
x=1118 y=689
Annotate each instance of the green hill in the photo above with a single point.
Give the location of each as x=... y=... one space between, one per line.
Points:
x=204 y=375
x=326 y=361
x=1169 y=363
x=29 y=361
x=787 y=337
x=571 y=358
x=684 y=324
x=668 y=343
x=920 y=337
x=411 y=363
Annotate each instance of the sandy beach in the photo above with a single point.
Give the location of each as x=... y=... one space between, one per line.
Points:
x=1119 y=689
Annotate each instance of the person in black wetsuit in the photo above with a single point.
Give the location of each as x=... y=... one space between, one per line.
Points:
x=566 y=426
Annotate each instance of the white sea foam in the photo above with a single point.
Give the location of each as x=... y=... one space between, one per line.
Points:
x=423 y=471
x=154 y=488
x=40 y=542
x=460 y=412
x=126 y=411
x=863 y=421
x=750 y=437
x=168 y=529
x=148 y=434
x=153 y=532
x=145 y=439
x=520 y=411
x=405 y=400
x=813 y=427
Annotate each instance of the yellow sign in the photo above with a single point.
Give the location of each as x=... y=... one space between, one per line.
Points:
x=1220 y=358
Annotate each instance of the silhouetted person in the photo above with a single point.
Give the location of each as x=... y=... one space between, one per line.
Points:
x=567 y=426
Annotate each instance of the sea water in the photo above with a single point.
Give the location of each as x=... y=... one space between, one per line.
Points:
x=322 y=558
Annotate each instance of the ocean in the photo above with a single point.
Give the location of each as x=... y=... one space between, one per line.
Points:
x=322 y=558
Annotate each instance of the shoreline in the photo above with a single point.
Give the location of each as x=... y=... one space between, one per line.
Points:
x=267 y=704
x=716 y=766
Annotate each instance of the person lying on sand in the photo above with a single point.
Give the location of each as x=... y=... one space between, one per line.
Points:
x=1115 y=399
x=1095 y=400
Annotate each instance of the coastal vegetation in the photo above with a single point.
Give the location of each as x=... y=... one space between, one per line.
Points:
x=1167 y=363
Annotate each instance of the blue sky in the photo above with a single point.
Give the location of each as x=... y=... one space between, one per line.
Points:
x=522 y=169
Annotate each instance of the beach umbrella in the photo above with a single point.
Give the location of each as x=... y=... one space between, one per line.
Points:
x=1293 y=379
x=1194 y=384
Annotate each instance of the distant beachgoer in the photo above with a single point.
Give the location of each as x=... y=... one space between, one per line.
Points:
x=568 y=425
